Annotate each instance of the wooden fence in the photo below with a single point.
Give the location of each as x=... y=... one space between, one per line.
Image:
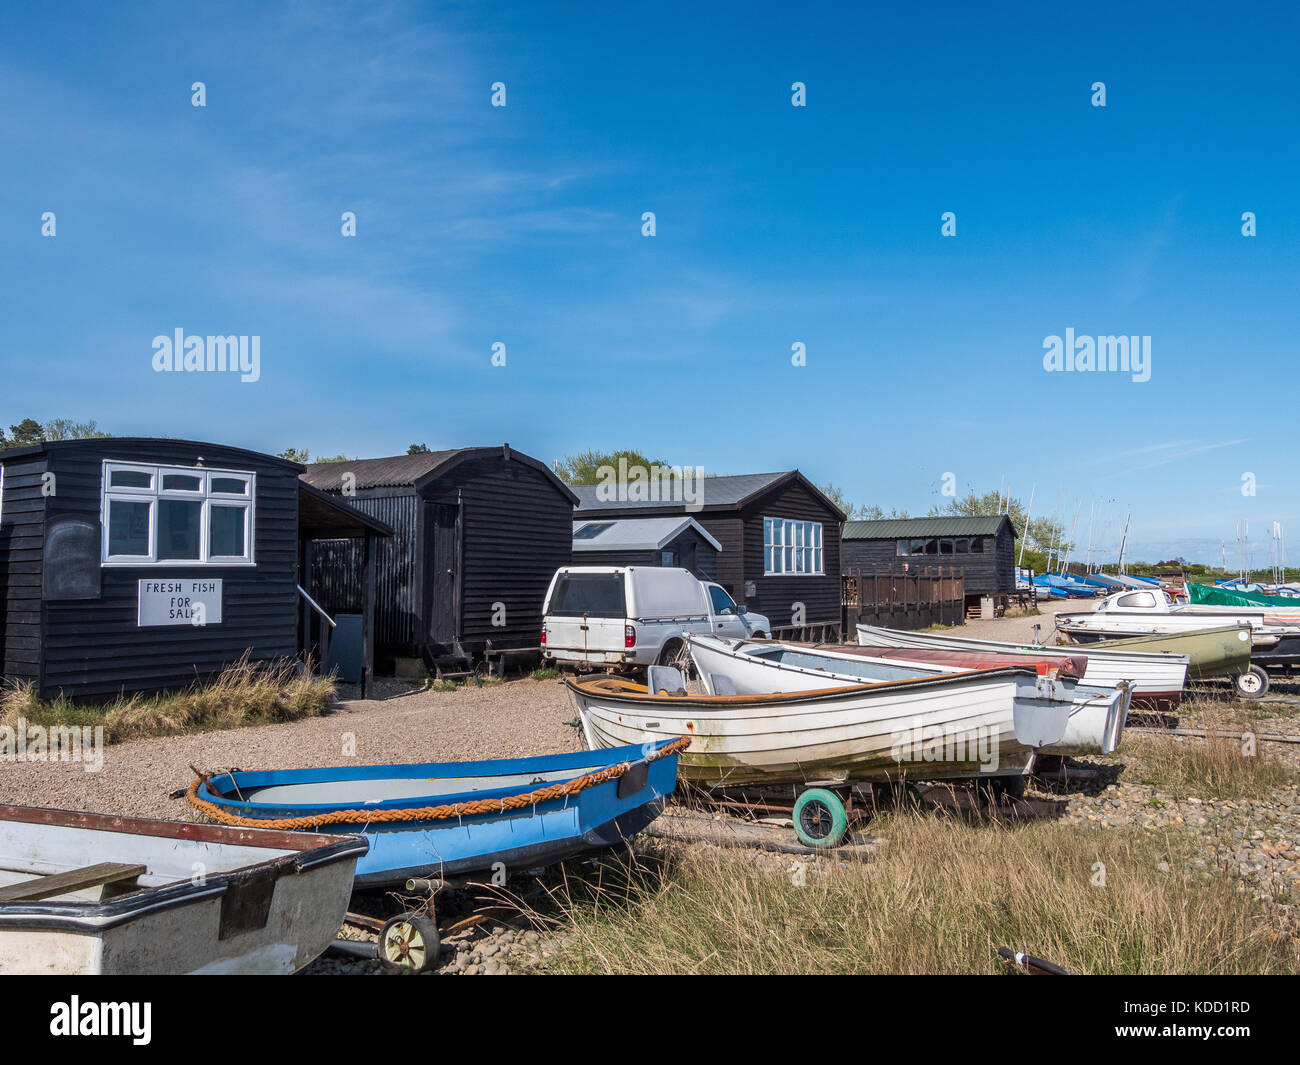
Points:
x=914 y=598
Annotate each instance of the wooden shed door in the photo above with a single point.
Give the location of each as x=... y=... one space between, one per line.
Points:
x=442 y=520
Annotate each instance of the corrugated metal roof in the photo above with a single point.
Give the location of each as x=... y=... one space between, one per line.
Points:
x=635 y=534
x=725 y=491
x=898 y=528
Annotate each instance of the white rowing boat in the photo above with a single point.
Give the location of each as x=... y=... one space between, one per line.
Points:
x=930 y=727
x=1157 y=678
x=92 y=894
x=1096 y=717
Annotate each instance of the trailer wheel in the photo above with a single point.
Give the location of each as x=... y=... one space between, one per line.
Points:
x=409 y=943
x=1252 y=684
x=820 y=819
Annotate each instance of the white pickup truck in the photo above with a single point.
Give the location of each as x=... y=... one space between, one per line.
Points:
x=623 y=617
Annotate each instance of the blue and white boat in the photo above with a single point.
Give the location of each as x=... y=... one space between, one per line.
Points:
x=452 y=819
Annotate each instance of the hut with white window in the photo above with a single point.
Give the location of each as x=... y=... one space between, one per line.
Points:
x=778 y=540
x=141 y=565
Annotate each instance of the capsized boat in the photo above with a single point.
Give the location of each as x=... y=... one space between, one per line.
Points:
x=85 y=893
x=1157 y=675
x=976 y=723
x=452 y=819
x=1096 y=717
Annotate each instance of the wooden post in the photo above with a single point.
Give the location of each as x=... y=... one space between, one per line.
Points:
x=368 y=615
x=304 y=581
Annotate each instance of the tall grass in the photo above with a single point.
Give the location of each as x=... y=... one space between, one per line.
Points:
x=1213 y=767
x=245 y=693
x=940 y=898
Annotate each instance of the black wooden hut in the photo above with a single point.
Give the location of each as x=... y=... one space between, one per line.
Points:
x=982 y=547
x=779 y=538
x=671 y=541
x=141 y=565
x=479 y=532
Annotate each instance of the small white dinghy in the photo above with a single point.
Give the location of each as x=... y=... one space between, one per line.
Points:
x=92 y=894
x=1097 y=713
x=1157 y=677
x=977 y=723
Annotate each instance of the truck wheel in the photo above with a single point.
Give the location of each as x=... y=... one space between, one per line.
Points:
x=676 y=654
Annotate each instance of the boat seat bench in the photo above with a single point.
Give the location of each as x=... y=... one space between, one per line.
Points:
x=44 y=887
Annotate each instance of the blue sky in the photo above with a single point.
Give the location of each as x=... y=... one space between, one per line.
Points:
x=775 y=225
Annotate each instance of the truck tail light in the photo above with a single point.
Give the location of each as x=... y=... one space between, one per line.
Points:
x=629 y=636
x=543 y=636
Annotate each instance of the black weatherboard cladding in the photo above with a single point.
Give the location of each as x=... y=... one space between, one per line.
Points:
x=22 y=525
x=987 y=572
x=93 y=647
x=515 y=531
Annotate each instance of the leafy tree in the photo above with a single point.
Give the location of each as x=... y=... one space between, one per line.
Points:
x=29 y=432
x=26 y=433
x=418 y=449
x=584 y=467
x=854 y=511
x=874 y=512
x=296 y=454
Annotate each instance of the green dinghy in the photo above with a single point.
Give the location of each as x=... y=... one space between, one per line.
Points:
x=1217 y=652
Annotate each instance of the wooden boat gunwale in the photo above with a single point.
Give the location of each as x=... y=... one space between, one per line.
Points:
x=309 y=850
x=627 y=691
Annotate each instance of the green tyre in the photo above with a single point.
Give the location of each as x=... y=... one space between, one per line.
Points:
x=820 y=819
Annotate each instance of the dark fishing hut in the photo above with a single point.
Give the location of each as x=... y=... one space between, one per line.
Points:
x=142 y=565
x=478 y=534
x=778 y=537
x=983 y=548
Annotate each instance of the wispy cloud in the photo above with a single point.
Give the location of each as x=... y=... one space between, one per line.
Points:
x=1155 y=455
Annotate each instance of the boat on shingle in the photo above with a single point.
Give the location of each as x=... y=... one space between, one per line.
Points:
x=84 y=893
x=454 y=819
x=978 y=723
x=1097 y=713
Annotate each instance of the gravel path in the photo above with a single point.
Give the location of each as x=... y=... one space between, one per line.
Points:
x=402 y=724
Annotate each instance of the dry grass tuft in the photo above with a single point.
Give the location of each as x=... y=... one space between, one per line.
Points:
x=1215 y=767
x=940 y=899
x=245 y=693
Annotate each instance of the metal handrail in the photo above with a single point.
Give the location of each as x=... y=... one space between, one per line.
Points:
x=316 y=606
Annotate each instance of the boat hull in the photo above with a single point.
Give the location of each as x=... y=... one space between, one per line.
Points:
x=1096 y=716
x=503 y=840
x=1156 y=678
x=213 y=899
x=1219 y=652
x=935 y=727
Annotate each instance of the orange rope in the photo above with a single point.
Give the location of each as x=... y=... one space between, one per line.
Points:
x=429 y=813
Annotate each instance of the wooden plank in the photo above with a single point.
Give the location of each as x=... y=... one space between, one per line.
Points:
x=44 y=887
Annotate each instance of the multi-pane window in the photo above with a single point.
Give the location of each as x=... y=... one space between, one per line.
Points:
x=936 y=545
x=176 y=515
x=792 y=546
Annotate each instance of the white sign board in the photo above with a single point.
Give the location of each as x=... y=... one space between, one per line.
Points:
x=180 y=601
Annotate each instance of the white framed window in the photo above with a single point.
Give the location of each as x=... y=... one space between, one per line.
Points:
x=176 y=515
x=792 y=547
